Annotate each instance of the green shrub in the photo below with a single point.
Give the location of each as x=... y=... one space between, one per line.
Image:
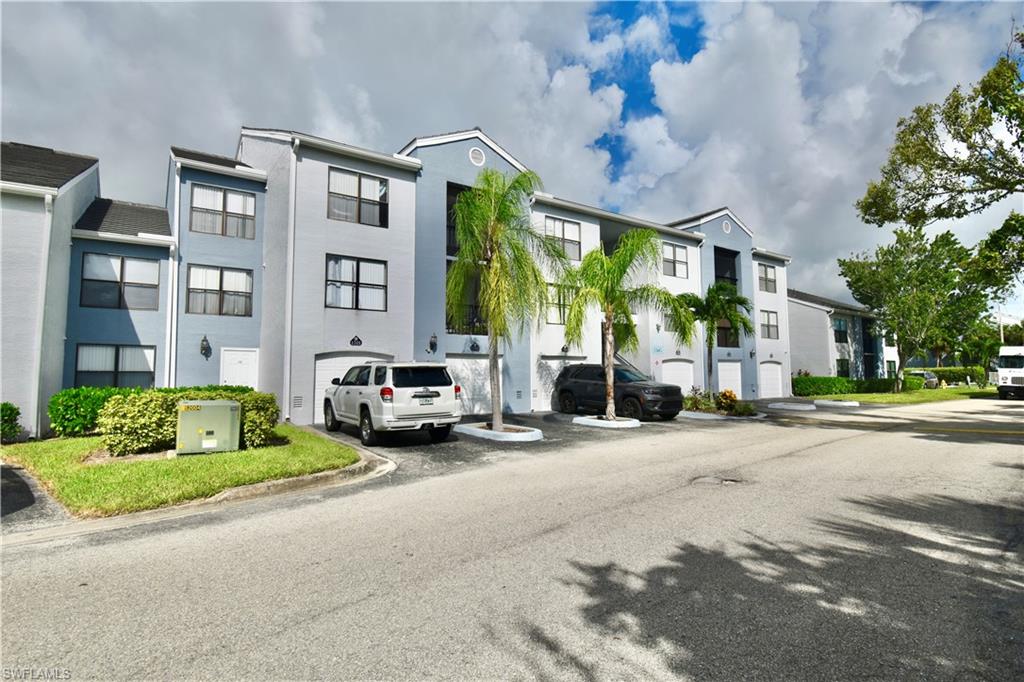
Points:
x=743 y=409
x=146 y=421
x=698 y=401
x=881 y=385
x=808 y=385
x=726 y=400
x=913 y=383
x=10 y=429
x=956 y=375
x=74 y=411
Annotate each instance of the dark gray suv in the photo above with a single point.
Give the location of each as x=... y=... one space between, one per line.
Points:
x=581 y=387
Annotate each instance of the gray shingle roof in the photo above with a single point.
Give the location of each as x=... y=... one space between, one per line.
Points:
x=124 y=217
x=825 y=302
x=40 y=166
x=215 y=159
x=697 y=216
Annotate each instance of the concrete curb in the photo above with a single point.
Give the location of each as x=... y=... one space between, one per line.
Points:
x=369 y=466
x=600 y=423
x=837 y=403
x=795 y=407
x=479 y=430
x=707 y=416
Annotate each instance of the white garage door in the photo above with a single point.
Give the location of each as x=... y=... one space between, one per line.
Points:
x=471 y=374
x=678 y=372
x=335 y=365
x=730 y=377
x=769 y=377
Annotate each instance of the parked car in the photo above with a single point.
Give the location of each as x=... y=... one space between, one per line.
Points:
x=394 y=396
x=1010 y=372
x=930 y=379
x=636 y=395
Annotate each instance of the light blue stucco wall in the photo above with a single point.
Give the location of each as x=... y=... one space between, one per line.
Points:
x=114 y=326
x=195 y=248
x=443 y=164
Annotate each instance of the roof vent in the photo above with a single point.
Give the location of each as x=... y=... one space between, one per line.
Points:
x=476 y=156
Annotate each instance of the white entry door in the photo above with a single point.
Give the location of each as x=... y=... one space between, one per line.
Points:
x=730 y=376
x=769 y=377
x=239 y=367
x=678 y=372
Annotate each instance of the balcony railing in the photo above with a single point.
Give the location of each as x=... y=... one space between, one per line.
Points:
x=467 y=322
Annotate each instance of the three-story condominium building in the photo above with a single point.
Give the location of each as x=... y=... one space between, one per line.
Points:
x=302 y=256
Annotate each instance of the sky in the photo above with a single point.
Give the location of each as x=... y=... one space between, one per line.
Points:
x=783 y=112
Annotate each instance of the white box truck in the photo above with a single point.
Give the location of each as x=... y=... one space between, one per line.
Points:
x=1010 y=372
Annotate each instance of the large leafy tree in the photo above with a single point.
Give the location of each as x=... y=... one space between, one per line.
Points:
x=502 y=259
x=721 y=302
x=918 y=288
x=615 y=285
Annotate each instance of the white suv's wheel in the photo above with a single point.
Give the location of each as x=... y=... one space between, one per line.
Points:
x=367 y=434
x=331 y=422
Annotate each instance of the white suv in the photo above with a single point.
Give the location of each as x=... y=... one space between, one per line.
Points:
x=394 y=396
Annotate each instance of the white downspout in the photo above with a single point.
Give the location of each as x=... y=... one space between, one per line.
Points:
x=171 y=361
x=45 y=270
x=289 y=285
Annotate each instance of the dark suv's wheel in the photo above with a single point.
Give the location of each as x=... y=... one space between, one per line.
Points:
x=331 y=422
x=567 y=402
x=367 y=434
x=631 y=409
x=440 y=433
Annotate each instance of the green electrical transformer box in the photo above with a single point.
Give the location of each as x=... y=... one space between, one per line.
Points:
x=208 y=426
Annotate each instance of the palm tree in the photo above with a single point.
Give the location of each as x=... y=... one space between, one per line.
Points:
x=616 y=285
x=498 y=259
x=721 y=302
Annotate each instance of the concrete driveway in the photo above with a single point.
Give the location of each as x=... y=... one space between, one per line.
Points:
x=763 y=550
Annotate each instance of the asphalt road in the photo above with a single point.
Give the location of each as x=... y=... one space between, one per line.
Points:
x=888 y=544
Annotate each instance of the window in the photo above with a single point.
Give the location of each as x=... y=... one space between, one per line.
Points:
x=842 y=367
x=667 y=324
x=566 y=232
x=219 y=291
x=766 y=278
x=725 y=266
x=356 y=283
x=380 y=374
x=226 y=212
x=357 y=376
x=890 y=369
x=591 y=373
x=558 y=304
x=357 y=198
x=727 y=336
x=769 y=324
x=107 y=365
x=414 y=377
x=840 y=331
x=120 y=282
x=452 y=196
x=674 y=263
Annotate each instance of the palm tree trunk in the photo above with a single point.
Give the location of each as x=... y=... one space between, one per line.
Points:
x=609 y=367
x=497 y=423
x=711 y=348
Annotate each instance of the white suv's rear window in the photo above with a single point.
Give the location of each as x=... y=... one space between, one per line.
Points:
x=414 y=377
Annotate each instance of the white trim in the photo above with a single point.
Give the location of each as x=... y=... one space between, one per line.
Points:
x=27 y=190
x=37 y=365
x=711 y=216
x=765 y=253
x=550 y=200
x=246 y=173
x=458 y=137
x=394 y=160
x=154 y=240
x=171 y=362
x=809 y=305
x=220 y=370
x=289 y=283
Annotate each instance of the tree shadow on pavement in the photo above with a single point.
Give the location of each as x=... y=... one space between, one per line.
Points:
x=928 y=587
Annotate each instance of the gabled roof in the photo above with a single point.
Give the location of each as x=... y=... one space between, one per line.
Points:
x=124 y=218
x=458 y=136
x=827 y=302
x=603 y=214
x=396 y=160
x=701 y=218
x=41 y=166
x=214 y=159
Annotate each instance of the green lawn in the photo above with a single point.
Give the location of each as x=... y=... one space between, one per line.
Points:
x=926 y=395
x=120 y=487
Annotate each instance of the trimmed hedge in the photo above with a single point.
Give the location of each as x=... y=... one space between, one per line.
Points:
x=74 y=411
x=147 y=421
x=10 y=429
x=808 y=385
x=957 y=375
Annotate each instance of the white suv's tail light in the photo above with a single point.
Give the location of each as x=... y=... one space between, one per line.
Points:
x=387 y=394
x=458 y=390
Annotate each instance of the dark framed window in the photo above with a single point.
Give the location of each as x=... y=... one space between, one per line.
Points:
x=113 y=365
x=567 y=232
x=674 y=260
x=840 y=330
x=727 y=336
x=214 y=290
x=558 y=304
x=766 y=278
x=842 y=367
x=357 y=198
x=725 y=266
x=452 y=196
x=119 y=282
x=890 y=369
x=769 y=324
x=356 y=283
x=380 y=374
x=226 y=212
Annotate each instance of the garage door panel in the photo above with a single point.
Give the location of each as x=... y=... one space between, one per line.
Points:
x=678 y=372
x=730 y=377
x=473 y=376
x=770 y=380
